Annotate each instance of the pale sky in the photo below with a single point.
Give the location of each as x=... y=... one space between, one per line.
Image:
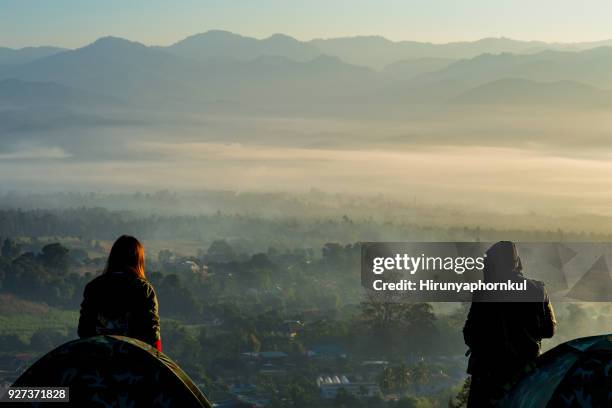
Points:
x=73 y=23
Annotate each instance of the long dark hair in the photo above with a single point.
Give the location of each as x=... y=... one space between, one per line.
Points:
x=126 y=255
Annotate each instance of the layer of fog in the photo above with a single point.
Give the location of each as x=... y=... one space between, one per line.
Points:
x=485 y=160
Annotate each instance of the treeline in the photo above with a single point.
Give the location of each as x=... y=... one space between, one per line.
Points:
x=258 y=233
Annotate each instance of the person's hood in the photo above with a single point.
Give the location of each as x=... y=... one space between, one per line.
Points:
x=502 y=262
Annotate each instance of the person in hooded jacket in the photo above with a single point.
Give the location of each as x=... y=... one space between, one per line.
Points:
x=121 y=301
x=504 y=337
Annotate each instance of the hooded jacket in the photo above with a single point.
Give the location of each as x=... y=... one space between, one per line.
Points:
x=506 y=336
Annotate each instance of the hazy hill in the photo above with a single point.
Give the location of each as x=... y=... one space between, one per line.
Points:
x=9 y=56
x=282 y=82
x=407 y=69
x=117 y=67
x=46 y=106
x=371 y=51
x=521 y=92
x=200 y=71
x=217 y=43
x=376 y=51
x=153 y=76
x=589 y=66
x=18 y=93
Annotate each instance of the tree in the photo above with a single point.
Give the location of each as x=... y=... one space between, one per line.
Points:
x=220 y=251
x=177 y=299
x=383 y=317
x=413 y=402
x=421 y=374
x=302 y=392
x=418 y=320
x=79 y=256
x=387 y=380
x=55 y=256
x=461 y=399
x=331 y=252
x=11 y=342
x=261 y=261
x=179 y=342
x=402 y=377
x=26 y=277
x=395 y=378
x=10 y=249
x=165 y=256
x=4 y=269
x=345 y=399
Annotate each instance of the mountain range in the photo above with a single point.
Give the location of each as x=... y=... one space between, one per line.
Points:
x=522 y=92
x=370 y=51
x=217 y=43
x=18 y=93
x=280 y=71
x=148 y=75
x=9 y=56
x=590 y=66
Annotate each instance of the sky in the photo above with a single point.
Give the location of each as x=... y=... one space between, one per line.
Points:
x=74 y=23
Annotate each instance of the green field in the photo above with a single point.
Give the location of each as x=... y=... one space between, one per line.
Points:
x=23 y=318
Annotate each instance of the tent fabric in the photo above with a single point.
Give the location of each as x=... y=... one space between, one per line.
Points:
x=577 y=373
x=113 y=371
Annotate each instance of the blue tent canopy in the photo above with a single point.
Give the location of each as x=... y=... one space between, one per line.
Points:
x=577 y=373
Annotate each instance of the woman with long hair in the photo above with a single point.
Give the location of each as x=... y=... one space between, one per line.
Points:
x=121 y=301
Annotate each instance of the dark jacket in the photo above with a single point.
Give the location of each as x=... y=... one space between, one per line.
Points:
x=504 y=341
x=505 y=336
x=121 y=304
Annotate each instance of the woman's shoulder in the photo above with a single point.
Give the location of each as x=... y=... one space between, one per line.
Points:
x=120 y=278
x=145 y=284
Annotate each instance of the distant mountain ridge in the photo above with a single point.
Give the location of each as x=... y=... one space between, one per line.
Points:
x=241 y=71
x=217 y=43
x=113 y=66
x=592 y=66
x=409 y=68
x=522 y=92
x=371 y=51
x=10 y=56
x=18 y=93
x=151 y=75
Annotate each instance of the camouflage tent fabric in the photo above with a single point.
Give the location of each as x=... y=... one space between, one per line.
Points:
x=113 y=371
x=577 y=373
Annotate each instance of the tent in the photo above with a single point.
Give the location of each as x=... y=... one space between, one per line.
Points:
x=113 y=371
x=577 y=373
